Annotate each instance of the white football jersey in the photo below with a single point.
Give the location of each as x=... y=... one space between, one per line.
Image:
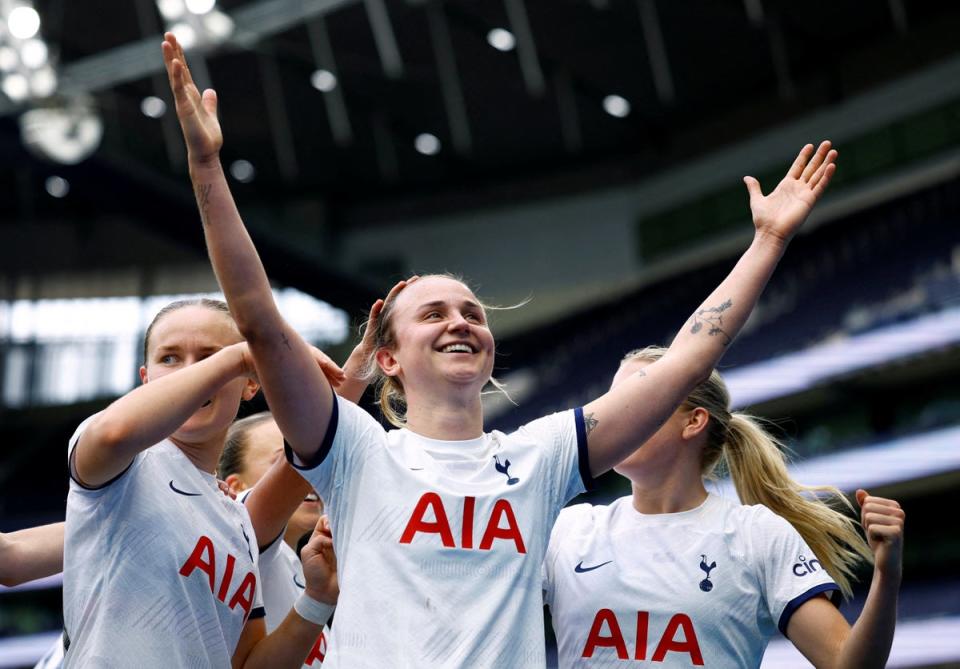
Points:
x=705 y=587
x=282 y=582
x=53 y=658
x=160 y=567
x=440 y=544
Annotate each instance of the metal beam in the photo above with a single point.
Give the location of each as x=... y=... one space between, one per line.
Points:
x=656 y=51
x=446 y=59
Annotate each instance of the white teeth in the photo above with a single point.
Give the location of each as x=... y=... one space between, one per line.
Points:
x=457 y=348
x=311 y=498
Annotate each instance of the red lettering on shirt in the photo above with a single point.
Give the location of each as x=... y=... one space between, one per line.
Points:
x=605 y=632
x=204 y=558
x=502 y=523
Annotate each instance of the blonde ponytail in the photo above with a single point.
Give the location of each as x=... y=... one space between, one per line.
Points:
x=758 y=468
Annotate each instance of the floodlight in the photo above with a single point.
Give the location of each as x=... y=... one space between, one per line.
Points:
x=616 y=106
x=427 y=144
x=23 y=22
x=501 y=40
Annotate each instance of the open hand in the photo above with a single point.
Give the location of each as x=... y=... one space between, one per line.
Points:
x=320 y=564
x=356 y=365
x=780 y=214
x=330 y=369
x=197 y=113
x=882 y=520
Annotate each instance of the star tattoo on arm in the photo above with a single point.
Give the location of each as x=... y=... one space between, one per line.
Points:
x=589 y=422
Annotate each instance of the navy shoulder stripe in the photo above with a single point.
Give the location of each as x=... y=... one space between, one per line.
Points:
x=799 y=600
x=583 y=455
x=321 y=454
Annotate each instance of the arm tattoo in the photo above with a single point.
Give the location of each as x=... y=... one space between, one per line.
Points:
x=589 y=422
x=203 y=200
x=712 y=316
x=286 y=342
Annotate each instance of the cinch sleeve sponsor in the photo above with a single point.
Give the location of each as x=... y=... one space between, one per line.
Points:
x=790 y=572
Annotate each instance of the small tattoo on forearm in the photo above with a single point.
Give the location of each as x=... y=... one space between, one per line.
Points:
x=589 y=422
x=641 y=372
x=713 y=317
x=203 y=200
x=286 y=342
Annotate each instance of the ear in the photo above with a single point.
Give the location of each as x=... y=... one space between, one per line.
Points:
x=389 y=365
x=696 y=423
x=235 y=484
x=143 y=374
x=250 y=389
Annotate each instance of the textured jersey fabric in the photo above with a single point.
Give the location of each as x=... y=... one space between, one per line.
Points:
x=440 y=544
x=705 y=587
x=282 y=582
x=160 y=567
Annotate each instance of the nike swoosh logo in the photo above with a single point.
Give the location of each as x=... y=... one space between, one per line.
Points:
x=188 y=494
x=297 y=583
x=580 y=569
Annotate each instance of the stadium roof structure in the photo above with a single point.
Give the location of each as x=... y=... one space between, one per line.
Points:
x=380 y=111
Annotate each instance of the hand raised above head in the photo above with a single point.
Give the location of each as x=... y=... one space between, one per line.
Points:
x=779 y=214
x=197 y=113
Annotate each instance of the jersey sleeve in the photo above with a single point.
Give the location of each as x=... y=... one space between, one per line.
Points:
x=563 y=438
x=566 y=523
x=790 y=573
x=75 y=481
x=257 y=610
x=351 y=435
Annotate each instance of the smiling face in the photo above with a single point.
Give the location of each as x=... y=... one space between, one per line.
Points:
x=186 y=336
x=440 y=337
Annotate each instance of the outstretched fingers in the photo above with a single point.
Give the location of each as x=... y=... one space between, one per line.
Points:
x=818 y=159
x=796 y=170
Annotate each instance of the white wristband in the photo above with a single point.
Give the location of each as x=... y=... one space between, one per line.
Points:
x=313 y=611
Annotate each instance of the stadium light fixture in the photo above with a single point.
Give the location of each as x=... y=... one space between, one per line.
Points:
x=427 y=144
x=242 y=170
x=200 y=7
x=196 y=23
x=501 y=40
x=23 y=22
x=153 y=106
x=25 y=70
x=616 y=105
x=323 y=80
x=57 y=187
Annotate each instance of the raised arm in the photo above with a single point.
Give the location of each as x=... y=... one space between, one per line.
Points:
x=298 y=393
x=30 y=554
x=819 y=631
x=152 y=412
x=278 y=494
x=619 y=421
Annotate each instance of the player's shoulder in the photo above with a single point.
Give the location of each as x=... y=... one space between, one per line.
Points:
x=546 y=429
x=579 y=520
